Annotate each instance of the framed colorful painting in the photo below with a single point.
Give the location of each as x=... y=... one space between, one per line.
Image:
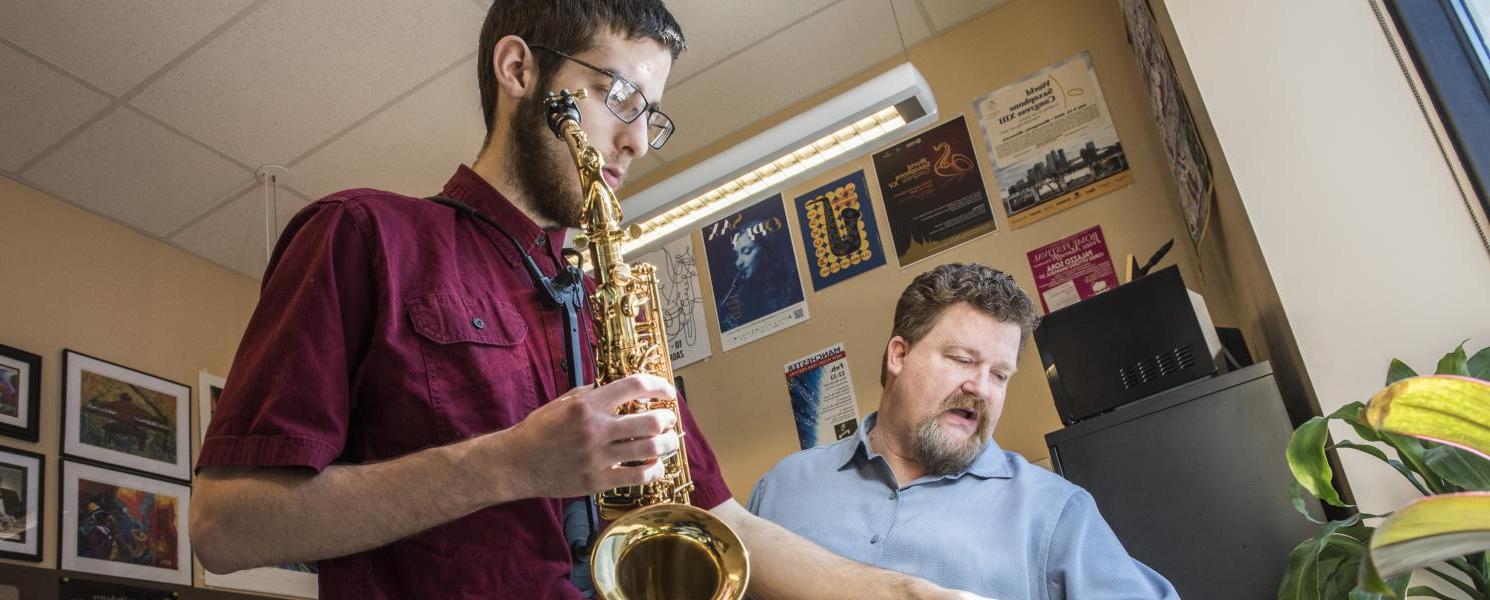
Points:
x=20 y=393
x=121 y=417
x=125 y=525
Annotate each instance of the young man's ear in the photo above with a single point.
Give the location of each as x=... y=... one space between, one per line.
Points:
x=514 y=66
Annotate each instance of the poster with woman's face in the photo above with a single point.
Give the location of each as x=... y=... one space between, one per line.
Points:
x=752 y=265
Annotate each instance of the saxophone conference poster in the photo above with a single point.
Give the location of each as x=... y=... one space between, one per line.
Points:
x=757 y=290
x=682 y=303
x=933 y=192
x=1052 y=142
x=838 y=229
x=822 y=397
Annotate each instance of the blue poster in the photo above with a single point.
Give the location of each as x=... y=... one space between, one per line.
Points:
x=838 y=229
x=757 y=290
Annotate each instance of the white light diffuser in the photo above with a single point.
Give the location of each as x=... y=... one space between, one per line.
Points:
x=830 y=134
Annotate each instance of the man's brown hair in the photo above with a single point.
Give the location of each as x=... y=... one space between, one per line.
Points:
x=984 y=288
x=569 y=26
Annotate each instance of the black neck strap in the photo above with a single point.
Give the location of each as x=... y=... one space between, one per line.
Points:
x=565 y=290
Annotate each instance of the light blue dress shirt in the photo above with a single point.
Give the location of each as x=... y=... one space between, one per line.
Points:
x=1003 y=529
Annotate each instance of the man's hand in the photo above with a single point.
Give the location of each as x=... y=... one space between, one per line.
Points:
x=576 y=445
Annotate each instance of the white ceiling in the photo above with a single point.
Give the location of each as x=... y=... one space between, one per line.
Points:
x=156 y=113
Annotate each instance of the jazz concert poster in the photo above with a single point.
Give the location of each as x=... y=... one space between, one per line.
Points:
x=822 y=395
x=1052 y=142
x=838 y=231
x=757 y=290
x=1072 y=269
x=682 y=302
x=933 y=192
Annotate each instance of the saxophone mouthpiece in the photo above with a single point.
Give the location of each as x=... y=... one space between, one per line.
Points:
x=561 y=107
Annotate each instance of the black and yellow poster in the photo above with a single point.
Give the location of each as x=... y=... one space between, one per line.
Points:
x=933 y=192
x=838 y=229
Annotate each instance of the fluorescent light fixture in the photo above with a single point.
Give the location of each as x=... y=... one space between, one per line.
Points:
x=824 y=137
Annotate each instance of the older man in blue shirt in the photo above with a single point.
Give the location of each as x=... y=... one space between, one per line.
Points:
x=924 y=490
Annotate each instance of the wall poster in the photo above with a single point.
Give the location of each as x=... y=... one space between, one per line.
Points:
x=822 y=396
x=682 y=302
x=838 y=231
x=1072 y=269
x=1186 y=153
x=757 y=290
x=933 y=192
x=1052 y=142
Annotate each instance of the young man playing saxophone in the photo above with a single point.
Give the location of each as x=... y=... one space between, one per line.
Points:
x=398 y=408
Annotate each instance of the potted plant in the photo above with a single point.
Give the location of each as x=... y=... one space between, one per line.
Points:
x=1433 y=430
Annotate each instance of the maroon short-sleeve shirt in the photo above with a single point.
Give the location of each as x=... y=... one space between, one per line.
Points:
x=387 y=325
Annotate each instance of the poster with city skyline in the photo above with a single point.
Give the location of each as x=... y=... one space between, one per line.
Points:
x=1052 y=142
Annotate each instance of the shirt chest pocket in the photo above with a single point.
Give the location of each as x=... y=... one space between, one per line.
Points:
x=476 y=365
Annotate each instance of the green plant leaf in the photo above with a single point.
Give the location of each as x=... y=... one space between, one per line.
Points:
x=1352 y=415
x=1403 y=469
x=1428 y=592
x=1441 y=408
x=1297 y=498
x=1479 y=364
x=1414 y=456
x=1398 y=370
x=1454 y=363
x=1464 y=469
x=1316 y=565
x=1429 y=530
x=1307 y=460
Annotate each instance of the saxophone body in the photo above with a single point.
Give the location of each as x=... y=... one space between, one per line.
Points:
x=658 y=545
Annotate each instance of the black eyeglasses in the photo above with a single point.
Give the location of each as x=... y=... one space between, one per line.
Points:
x=626 y=102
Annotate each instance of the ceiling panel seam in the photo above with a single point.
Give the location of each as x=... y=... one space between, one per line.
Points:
x=236 y=192
x=757 y=42
x=380 y=110
x=127 y=96
x=926 y=16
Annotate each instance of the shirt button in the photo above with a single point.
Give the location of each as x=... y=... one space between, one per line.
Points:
x=874 y=540
x=479 y=323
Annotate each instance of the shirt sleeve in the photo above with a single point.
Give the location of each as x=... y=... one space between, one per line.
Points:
x=287 y=400
x=709 y=488
x=1087 y=562
x=757 y=497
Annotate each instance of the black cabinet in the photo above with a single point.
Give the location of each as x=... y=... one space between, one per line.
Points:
x=1194 y=482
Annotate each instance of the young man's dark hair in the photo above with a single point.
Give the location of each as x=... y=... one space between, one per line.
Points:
x=569 y=26
x=989 y=290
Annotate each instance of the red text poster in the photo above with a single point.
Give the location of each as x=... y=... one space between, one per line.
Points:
x=1072 y=269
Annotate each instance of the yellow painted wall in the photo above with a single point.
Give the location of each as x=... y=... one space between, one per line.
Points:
x=740 y=397
x=75 y=280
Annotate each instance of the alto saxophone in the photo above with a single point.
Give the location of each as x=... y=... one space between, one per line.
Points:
x=657 y=546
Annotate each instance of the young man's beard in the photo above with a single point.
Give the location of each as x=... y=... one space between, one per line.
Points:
x=941 y=453
x=543 y=174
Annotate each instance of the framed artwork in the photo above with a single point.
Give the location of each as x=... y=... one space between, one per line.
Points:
x=20 y=393
x=125 y=525
x=122 y=417
x=209 y=389
x=21 y=478
x=298 y=580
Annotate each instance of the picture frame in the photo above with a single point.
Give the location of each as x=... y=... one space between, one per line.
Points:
x=117 y=416
x=299 y=580
x=22 y=475
x=209 y=389
x=124 y=525
x=20 y=394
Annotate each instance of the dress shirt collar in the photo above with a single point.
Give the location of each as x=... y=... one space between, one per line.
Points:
x=469 y=187
x=992 y=462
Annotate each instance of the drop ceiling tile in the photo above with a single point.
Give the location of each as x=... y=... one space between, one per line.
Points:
x=950 y=13
x=113 y=45
x=716 y=29
x=842 y=41
x=411 y=148
x=291 y=74
x=913 y=25
x=233 y=235
x=130 y=169
x=41 y=106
